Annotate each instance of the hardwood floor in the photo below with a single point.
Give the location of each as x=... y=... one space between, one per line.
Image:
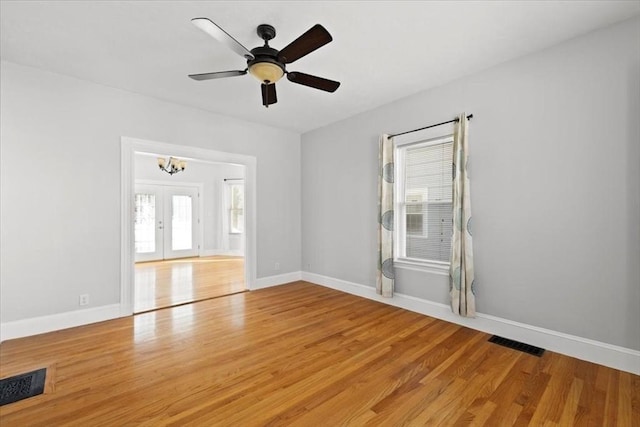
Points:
x=304 y=355
x=167 y=283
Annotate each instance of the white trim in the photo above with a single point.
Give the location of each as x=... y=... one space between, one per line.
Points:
x=40 y=325
x=127 y=240
x=129 y=146
x=605 y=354
x=169 y=184
x=54 y=322
x=280 y=279
x=435 y=267
x=425 y=138
x=228 y=201
x=214 y=252
x=582 y=348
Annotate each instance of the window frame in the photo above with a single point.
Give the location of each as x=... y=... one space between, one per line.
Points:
x=230 y=208
x=427 y=137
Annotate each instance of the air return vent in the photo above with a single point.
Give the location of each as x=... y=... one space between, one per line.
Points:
x=22 y=386
x=516 y=345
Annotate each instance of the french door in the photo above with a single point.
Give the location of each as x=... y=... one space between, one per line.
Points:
x=166 y=222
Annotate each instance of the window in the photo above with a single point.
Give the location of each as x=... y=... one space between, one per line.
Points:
x=236 y=208
x=423 y=201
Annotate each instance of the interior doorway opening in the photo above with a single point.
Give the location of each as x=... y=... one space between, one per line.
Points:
x=189 y=232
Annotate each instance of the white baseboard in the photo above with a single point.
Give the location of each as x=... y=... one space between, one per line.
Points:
x=581 y=348
x=54 y=322
x=280 y=279
x=605 y=354
x=70 y=319
x=214 y=252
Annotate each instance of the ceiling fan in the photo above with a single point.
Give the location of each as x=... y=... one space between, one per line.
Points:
x=268 y=64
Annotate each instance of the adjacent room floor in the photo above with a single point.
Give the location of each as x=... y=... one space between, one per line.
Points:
x=160 y=284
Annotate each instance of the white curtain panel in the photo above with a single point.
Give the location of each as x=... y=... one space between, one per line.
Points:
x=385 y=275
x=463 y=301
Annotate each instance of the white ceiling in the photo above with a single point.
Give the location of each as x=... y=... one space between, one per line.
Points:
x=381 y=51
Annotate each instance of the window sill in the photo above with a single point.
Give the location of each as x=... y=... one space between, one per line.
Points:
x=441 y=268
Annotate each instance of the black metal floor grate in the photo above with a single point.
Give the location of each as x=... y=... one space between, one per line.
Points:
x=22 y=386
x=516 y=345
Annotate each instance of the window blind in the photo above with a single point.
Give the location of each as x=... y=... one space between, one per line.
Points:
x=428 y=202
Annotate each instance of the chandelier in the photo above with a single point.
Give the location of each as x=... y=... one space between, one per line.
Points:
x=172 y=165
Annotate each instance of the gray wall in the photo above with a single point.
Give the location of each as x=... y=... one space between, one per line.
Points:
x=60 y=177
x=555 y=155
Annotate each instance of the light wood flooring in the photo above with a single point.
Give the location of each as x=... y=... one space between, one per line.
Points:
x=167 y=283
x=304 y=355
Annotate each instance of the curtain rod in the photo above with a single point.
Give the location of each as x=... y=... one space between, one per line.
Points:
x=430 y=126
x=234 y=179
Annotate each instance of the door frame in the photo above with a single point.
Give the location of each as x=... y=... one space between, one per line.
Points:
x=129 y=147
x=197 y=185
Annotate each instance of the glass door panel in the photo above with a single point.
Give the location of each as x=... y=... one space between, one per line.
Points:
x=181 y=235
x=181 y=223
x=145 y=223
x=148 y=223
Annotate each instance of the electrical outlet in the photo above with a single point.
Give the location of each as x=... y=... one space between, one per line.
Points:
x=83 y=299
x=276 y=266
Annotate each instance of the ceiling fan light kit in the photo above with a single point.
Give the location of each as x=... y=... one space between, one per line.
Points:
x=266 y=72
x=267 y=64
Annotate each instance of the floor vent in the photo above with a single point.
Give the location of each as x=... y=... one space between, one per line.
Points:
x=516 y=345
x=22 y=386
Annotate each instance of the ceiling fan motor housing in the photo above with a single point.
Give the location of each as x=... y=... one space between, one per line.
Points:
x=265 y=65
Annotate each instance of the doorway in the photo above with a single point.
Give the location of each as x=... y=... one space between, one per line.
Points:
x=183 y=232
x=190 y=278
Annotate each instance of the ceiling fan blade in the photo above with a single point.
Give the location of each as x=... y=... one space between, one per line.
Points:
x=313 y=81
x=269 y=94
x=316 y=37
x=211 y=28
x=217 y=75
